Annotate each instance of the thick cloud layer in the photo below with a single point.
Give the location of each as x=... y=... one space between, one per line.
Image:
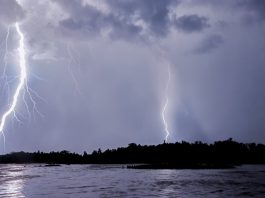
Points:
x=191 y=23
x=101 y=68
x=10 y=11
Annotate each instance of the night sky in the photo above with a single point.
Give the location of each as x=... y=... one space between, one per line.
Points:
x=99 y=68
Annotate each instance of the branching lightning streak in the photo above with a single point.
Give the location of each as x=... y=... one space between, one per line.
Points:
x=22 y=80
x=74 y=61
x=4 y=75
x=164 y=109
x=6 y=52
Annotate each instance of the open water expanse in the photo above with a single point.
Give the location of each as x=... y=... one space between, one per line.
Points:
x=114 y=181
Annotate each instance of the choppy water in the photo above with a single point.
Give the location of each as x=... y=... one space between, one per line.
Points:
x=115 y=181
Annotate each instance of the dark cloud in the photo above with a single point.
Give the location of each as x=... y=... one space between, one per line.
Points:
x=258 y=6
x=94 y=22
x=121 y=29
x=210 y=43
x=153 y=13
x=83 y=18
x=10 y=11
x=122 y=21
x=191 y=23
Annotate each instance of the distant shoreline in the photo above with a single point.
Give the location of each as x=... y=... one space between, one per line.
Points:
x=181 y=166
x=179 y=155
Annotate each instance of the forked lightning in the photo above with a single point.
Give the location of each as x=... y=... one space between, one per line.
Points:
x=22 y=80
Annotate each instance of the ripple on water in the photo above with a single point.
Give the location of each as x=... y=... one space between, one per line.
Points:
x=115 y=181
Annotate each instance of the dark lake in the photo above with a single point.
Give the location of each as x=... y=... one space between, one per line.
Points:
x=115 y=181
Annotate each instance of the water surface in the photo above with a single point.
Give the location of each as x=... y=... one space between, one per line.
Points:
x=115 y=181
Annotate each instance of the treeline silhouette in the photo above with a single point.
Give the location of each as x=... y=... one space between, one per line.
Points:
x=221 y=154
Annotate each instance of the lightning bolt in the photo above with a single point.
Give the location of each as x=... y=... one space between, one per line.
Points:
x=5 y=56
x=22 y=80
x=76 y=61
x=164 y=108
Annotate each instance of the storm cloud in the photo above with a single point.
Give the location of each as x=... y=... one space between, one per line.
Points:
x=191 y=23
x=10 y=11
x=100 y=68
x=119 y=19
x=256 y=7
x=209 y=43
